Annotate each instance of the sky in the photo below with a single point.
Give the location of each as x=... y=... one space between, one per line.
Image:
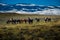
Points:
x=37 y=2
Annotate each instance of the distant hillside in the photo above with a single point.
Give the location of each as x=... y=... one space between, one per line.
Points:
x=25 y=15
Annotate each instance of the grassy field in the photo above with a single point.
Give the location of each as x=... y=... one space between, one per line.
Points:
x=36 y=31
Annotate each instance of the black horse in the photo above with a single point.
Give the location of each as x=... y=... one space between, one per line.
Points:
x=17 y=21
x=30 y=21
x=48 y=20
x=8 y=21
x=13 y=21
x=37 y=19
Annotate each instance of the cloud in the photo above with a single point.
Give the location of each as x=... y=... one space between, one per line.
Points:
x=9 y=11
x=25 y=5
x=29 y=9
x=51 y=6
x=58 y=6
x=3 y=4
x=44 y=10
x=51 y=12
x=41 y=5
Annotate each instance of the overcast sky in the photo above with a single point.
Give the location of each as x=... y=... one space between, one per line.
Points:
x=38 y=2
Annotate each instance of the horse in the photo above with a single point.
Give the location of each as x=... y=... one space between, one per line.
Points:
x=48 y=19
x=13 y=21
x=16 y=21
x=30 y=21
x=8 y=21
x=37 y=19
x=25 y=20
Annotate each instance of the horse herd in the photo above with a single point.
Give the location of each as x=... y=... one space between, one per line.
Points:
x=28 y=20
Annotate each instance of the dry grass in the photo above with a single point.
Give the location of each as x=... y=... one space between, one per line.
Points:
x=36 y=31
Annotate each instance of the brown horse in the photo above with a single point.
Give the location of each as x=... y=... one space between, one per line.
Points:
x=16 y=21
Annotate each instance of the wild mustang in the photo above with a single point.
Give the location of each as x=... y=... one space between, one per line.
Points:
x=9 y=21
x=30 y=21
x=25 y=20
x=13 y=21
x=16 y=21
x=37 y=19
x=47 y=19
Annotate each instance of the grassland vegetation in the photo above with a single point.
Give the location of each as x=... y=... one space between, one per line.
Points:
x=36 y=31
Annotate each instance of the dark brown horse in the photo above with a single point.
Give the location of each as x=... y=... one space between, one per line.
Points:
x=13 y=21
x=37 y=19
x=17 y=21
x=48 y=19
x=30 y=21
